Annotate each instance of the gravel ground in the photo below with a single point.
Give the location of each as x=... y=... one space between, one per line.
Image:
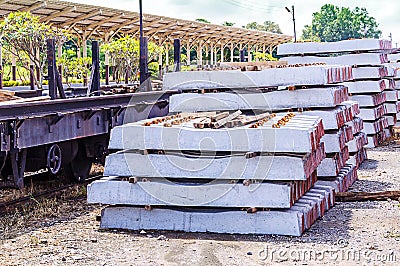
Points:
x=349 y=233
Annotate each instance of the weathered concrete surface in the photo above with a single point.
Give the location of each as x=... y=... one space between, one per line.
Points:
x=370 y=100
x=332 y=165
x=359 y=141
x=334 y=47
x=301 y=134
x=374 y=127
x=161 y=192
x=273 y=101
x=296 y=167
x=357 y=125
x=372 y=114
x=366 y=86
x=332 y=118
x=377 y=72
x=292 y=221
x=391 y=95
x=341 y=183
x=273 y=77
x=366 y=59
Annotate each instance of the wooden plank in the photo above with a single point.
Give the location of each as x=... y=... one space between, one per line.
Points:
x=367 y=196
x=219 y=116
x=225 y=120
x=260 y=64
x=26 y=100
x=4 y=93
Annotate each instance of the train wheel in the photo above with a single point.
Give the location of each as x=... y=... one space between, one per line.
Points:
x=78 y=168
x=54 y=159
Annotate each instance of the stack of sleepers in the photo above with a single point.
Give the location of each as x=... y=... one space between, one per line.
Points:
x=394 y=62
x=215 y=172
x=373 y=86
x=309 y=90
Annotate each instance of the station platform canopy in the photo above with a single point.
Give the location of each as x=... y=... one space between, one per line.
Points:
x=102 y=23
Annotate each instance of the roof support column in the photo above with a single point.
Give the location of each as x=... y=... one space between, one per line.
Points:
x=271 y=49
x=206 y=61
x=32 y=71
x=13 y=65
x=1 y=67
x=232 y=52
x=166 y=57
x=215 y=56
x=256 y=50
x=188 y=53
x=212 y=55
x=160 y=58
x=107 y=60
x=242 y=53
x=222 y=53
x=84 y=54
x=249 y=53
x=200 y=54
x=59 y=55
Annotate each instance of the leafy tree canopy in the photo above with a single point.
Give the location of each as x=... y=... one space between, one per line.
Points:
x=229 y=24
x=203 y=20
x=24 y=36
x=333 y=23
x=266 y=26
x=125 y=52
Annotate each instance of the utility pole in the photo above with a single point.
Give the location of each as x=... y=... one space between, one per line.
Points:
x=143 y=49
x=294 y=21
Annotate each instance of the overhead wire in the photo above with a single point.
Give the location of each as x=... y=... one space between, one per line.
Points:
x=253 y=7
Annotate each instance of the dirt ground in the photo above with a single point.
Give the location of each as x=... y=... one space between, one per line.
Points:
x=350 y=233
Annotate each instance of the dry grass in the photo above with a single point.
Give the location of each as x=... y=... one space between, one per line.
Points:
x=44 y=211
x=64 y=205
x=36 y=185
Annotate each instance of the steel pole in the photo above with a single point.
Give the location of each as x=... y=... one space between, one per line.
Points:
x=143 y=49
x=294 y=24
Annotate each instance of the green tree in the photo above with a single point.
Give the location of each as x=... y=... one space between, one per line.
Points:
x=264 y=57
x=202 y=20
x=23 y=35
x=228 y=24
x=266 y=26
x=125 y=53
x=333 y=23
x=73 y=66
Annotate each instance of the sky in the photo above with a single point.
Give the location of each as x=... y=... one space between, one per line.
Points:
x=386 y=12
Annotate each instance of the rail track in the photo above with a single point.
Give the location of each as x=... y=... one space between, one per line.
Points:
x=10 y=206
